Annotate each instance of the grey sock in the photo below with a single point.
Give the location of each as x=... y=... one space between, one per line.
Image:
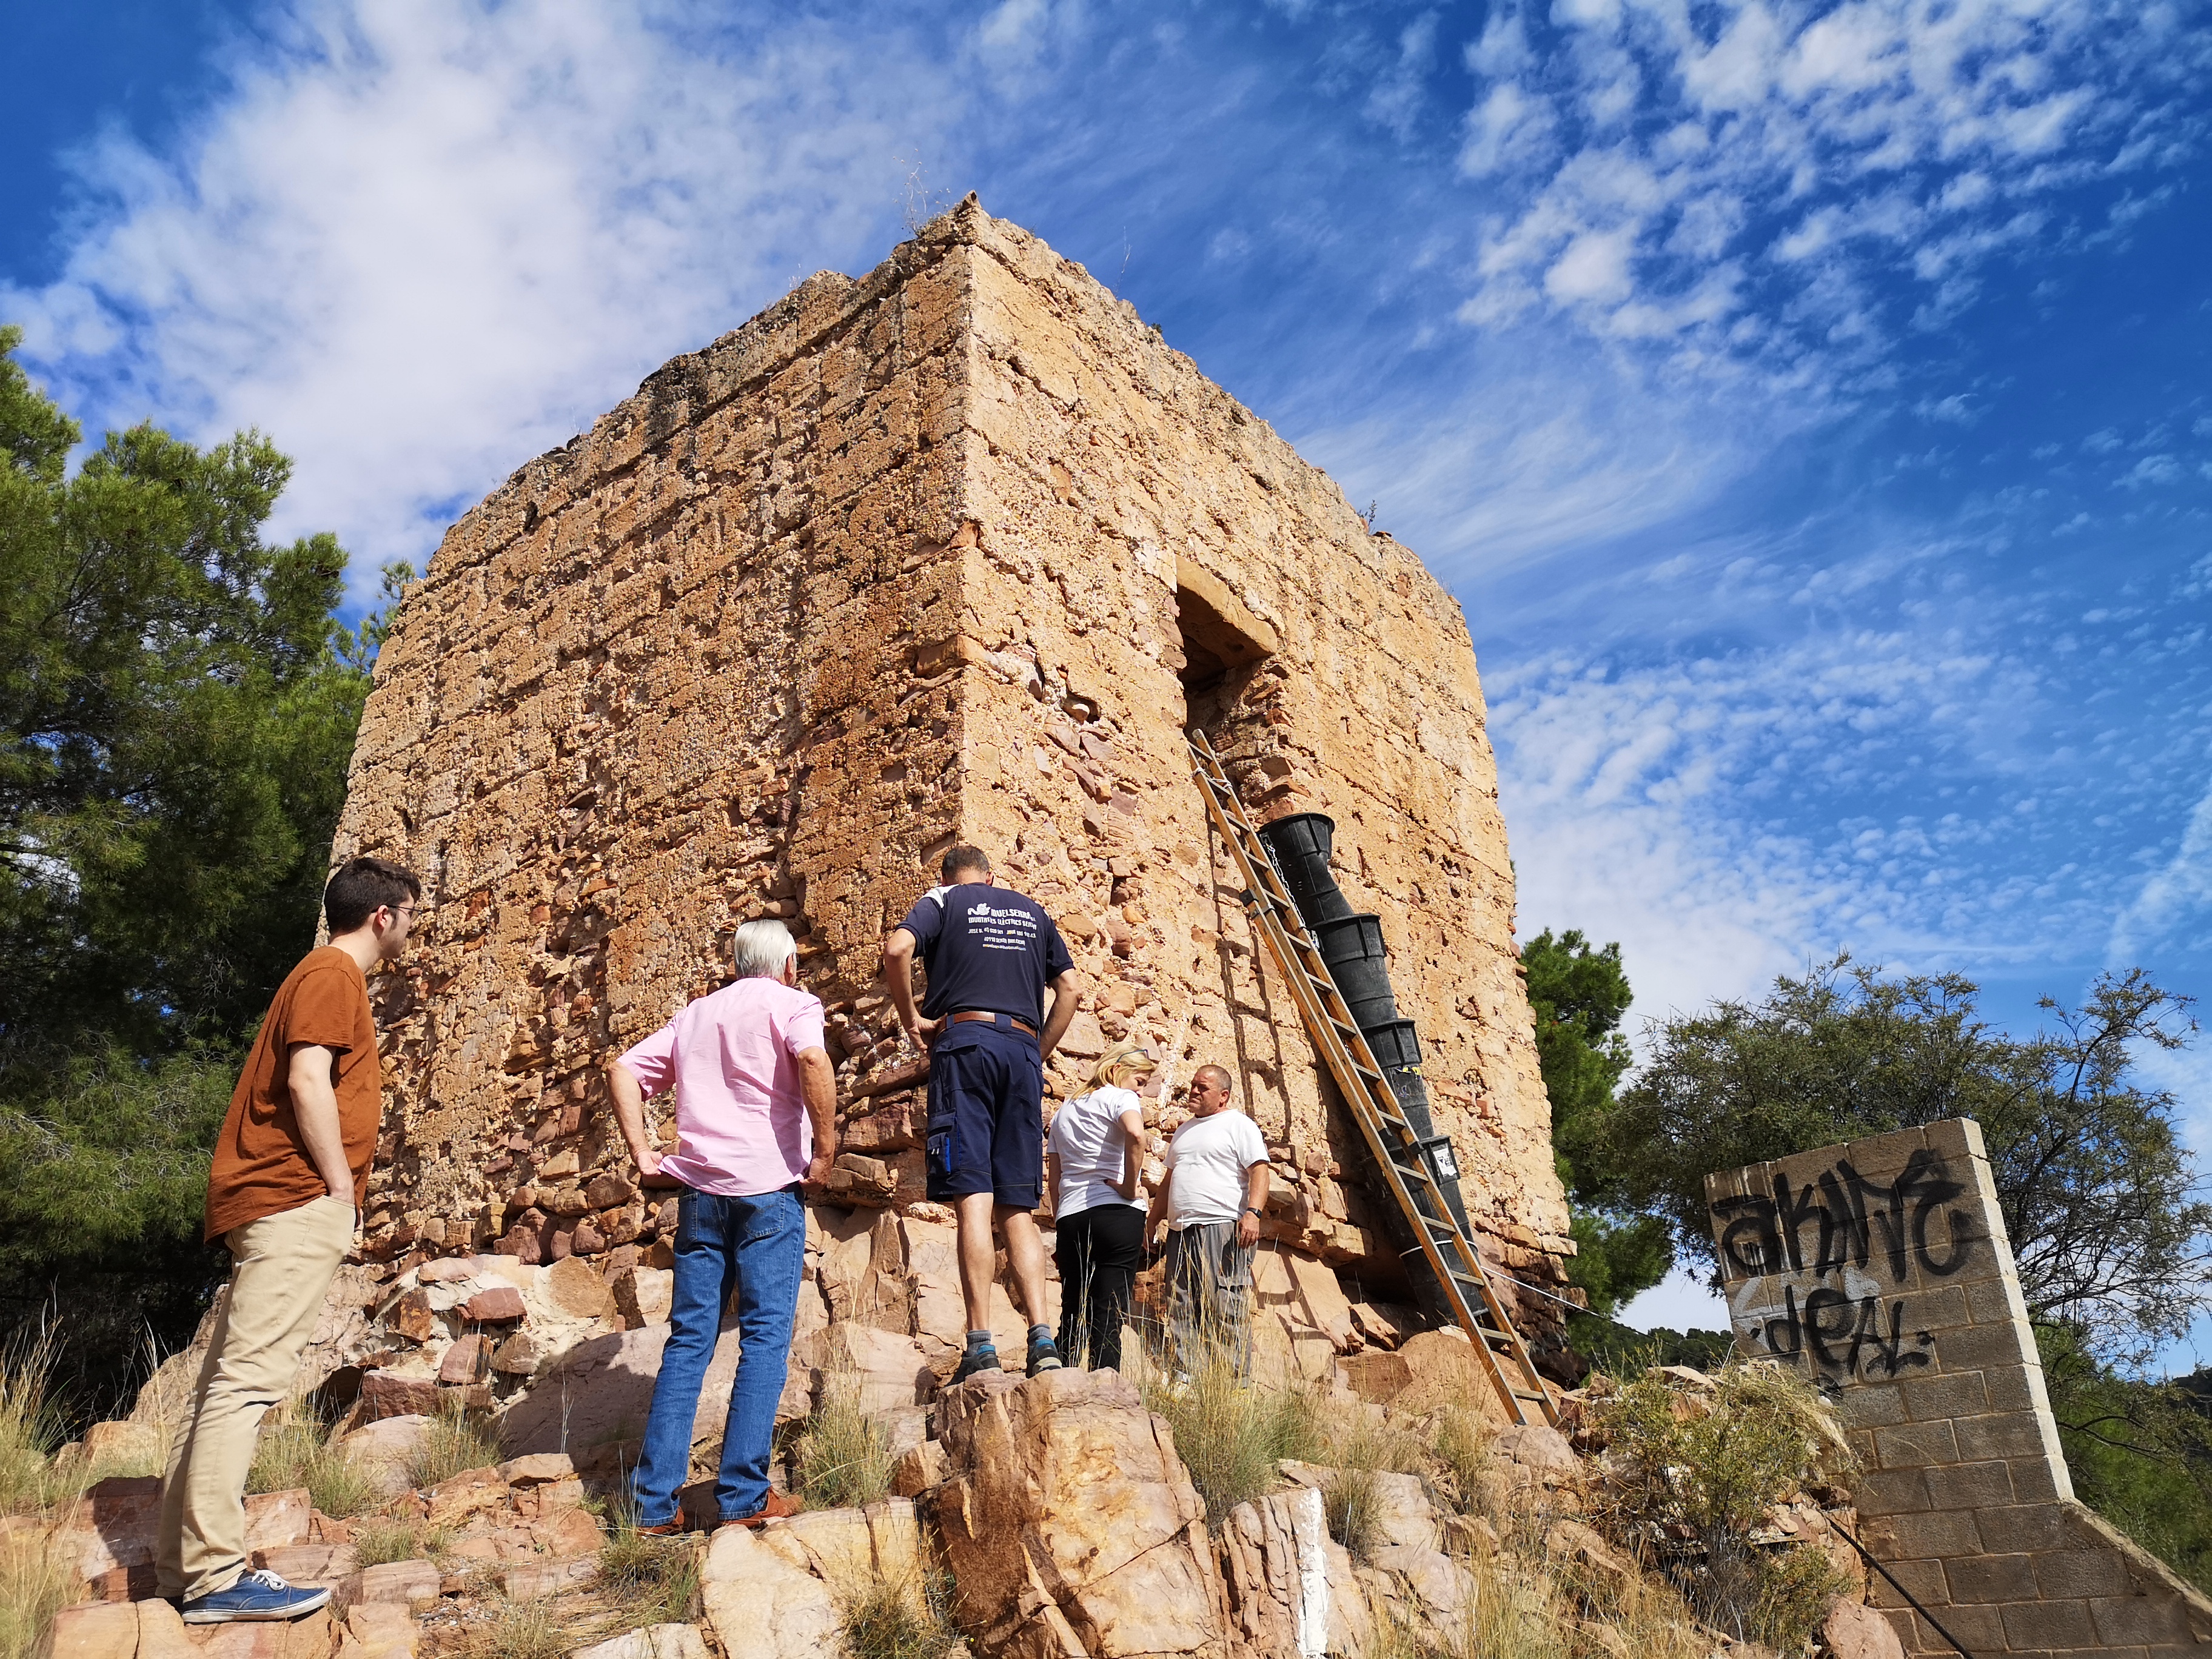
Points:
x=1040 y=1333
x=978 y=1339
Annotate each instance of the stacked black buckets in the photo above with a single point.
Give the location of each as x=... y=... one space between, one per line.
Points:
x=1351 y=944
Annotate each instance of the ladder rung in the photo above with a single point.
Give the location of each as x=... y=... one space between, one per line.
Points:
x=1467 y=1289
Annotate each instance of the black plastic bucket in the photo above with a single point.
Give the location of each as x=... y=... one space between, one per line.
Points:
x=1395 y=1042
x=1352 y=948
x=1301 y=844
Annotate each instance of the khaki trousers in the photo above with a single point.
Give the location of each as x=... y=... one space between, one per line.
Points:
x=281 y=1270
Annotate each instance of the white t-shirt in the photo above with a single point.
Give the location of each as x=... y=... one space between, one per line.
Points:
x=1206 y=1162
x=1086 y=1137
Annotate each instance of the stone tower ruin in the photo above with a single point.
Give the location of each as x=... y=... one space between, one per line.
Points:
x=957 y=550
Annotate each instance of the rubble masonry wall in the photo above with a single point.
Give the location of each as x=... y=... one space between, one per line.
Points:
x=903 y=559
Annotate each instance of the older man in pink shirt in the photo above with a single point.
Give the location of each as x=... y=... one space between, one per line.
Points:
x=755 y=1116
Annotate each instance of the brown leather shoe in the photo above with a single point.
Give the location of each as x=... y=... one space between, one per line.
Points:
x=665 y=1529
x=777 y=1507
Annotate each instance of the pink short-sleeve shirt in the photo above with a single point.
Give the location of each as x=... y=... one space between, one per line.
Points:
x=741 y=1126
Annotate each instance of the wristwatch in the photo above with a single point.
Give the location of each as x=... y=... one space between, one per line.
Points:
x=1248 y=1210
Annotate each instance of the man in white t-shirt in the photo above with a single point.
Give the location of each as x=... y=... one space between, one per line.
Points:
x=1217 y=1186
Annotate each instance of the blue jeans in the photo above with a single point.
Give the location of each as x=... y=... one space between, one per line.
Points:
x=756 y=1248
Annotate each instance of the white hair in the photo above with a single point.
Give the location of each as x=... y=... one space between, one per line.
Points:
x=762 y=947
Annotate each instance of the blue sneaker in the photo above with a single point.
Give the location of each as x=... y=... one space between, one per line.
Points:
x=1044 y=1355
x=259 y=1593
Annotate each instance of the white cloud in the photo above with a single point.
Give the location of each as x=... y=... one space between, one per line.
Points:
x=419 y=243
x=1877 y=138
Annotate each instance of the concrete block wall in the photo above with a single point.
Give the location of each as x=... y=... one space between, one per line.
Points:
x=1882 y=1268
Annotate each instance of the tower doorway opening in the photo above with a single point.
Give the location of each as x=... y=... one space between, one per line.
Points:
x=1223 y=646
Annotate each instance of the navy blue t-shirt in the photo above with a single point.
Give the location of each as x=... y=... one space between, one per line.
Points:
x=986 y=947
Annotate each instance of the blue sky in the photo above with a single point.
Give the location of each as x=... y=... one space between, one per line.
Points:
x=1808 y=402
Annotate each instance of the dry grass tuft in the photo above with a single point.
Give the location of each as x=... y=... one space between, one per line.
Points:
x=523 y=1630
x=455 y=1441
x=843 y=1459
x=393 y=1538
x=650 y=1581
x=37 y=1580
x=1347 y=1498
x=895 y=1618
x=1462 y=1446
x=1230 y=1430
x=296 y=1452
x=30 y=1431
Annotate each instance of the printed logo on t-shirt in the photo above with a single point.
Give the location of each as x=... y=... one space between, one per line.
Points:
x=1000 y=927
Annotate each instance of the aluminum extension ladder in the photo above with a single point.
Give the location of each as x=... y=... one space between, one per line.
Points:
x=1391 y=1140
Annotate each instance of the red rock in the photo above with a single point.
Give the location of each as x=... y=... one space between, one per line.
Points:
x=469 y=1360
x=587 y=1239
x=98 y=1630
x=383 y=1394
x=495 y=1305
x=413 y=1318
x=406 y=1583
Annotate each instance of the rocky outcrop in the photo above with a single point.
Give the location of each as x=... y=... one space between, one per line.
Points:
x=1070 y=1525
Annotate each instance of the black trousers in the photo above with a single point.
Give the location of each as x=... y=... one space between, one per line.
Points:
x=1098 y=1251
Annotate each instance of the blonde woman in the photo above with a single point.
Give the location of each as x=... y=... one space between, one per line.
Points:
x=1091 y=1162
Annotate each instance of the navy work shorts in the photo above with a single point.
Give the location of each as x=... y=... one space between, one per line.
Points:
x=987 y=1114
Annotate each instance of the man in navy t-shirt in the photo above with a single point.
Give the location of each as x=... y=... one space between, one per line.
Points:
x=991 y=954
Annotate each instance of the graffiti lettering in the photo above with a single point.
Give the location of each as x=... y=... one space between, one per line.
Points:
x=1837 y=1345
x=1851 y=1223
x=1764 y=1235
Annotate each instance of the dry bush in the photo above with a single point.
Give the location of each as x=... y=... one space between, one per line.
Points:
x=842 y=1458
x=887 y=1616
x=1711 y=1469
x=454 y=1441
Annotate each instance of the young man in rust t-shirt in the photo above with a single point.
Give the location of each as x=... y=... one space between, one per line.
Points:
x=283 y=1195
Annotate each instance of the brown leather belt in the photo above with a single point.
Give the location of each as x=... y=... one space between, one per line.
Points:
x=967 y=1015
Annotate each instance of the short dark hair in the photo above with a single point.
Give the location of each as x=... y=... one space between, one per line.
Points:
x=361 y=887
x=1216 y=1076
x=960 y=859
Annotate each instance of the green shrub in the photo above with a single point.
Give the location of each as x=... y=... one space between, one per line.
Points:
x=1708 y=1471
